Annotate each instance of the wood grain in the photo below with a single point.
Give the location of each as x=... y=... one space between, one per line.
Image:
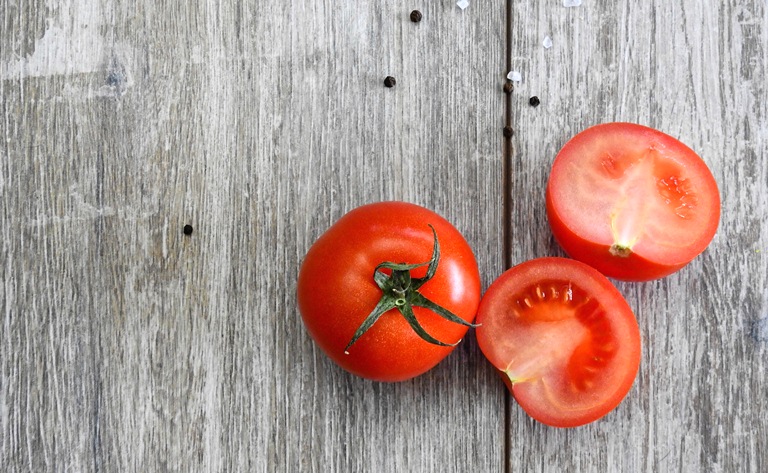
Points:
x=695 y=70
x=128 y=346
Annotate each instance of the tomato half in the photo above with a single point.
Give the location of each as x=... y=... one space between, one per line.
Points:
x=337 y=290
x=564 y=339
x=631 y=201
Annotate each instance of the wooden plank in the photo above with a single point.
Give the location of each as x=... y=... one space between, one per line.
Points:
x=695 y=70
x=129 y=346
x=433 y=139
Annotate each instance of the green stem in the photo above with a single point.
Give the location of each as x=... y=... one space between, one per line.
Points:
x=400 y=291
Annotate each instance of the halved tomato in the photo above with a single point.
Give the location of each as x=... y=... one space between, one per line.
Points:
x=631 y=201
x=564 y=339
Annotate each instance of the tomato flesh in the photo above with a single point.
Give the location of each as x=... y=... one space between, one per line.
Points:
x=632 y=202
x=563 y=337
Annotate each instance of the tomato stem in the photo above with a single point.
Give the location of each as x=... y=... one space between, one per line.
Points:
x=621 y=251
x=400 y=291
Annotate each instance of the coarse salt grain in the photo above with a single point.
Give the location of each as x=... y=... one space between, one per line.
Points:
x=515 y=76
x=463 y=4
x=547 y=43
x=571 y=3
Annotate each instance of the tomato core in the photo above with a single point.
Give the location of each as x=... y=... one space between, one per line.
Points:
x=571 y=332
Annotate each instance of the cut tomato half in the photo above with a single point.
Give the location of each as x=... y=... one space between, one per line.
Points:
x=631 y=201
x=563 y=338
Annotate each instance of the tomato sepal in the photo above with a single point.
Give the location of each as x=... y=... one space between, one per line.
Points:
x=400 y=291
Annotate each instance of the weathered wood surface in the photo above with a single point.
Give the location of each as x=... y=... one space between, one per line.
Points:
x=128 y=346
x=695 y=70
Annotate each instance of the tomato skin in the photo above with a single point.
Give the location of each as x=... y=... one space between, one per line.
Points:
x=336 y=290
x=626 y=268
x=562 y=337
x=672 y=218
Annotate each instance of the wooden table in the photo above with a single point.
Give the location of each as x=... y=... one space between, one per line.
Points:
x=126 y=345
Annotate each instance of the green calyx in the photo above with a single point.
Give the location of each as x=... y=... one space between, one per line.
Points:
x=400 y=291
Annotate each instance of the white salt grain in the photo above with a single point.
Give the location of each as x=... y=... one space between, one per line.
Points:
x=547 y=43
x=515 y=76
x=571 y=3
x=463 y=4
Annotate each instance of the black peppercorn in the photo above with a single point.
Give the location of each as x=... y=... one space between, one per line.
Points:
x=187 y=229
x=509 y=87
x=389 y=81
x=534 y=101
x=416 y=16
x=508 y=132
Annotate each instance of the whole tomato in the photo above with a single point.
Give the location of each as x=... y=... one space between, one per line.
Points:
x=389 y=290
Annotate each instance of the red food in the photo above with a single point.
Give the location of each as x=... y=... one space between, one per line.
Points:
x=564 y=339
x=632 y=202
x=338 y=293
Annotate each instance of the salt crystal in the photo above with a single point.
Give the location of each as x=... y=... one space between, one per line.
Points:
x=547 y=43
x=463 y=4
x=571 y=3
x=515 y=76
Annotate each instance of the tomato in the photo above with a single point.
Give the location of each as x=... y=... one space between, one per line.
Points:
x=564 y=339
x=632 y=202
x=430 y=276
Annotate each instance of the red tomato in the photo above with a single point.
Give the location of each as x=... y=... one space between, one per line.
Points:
x=337 y=291
x=632 y=202
x=564 y=339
